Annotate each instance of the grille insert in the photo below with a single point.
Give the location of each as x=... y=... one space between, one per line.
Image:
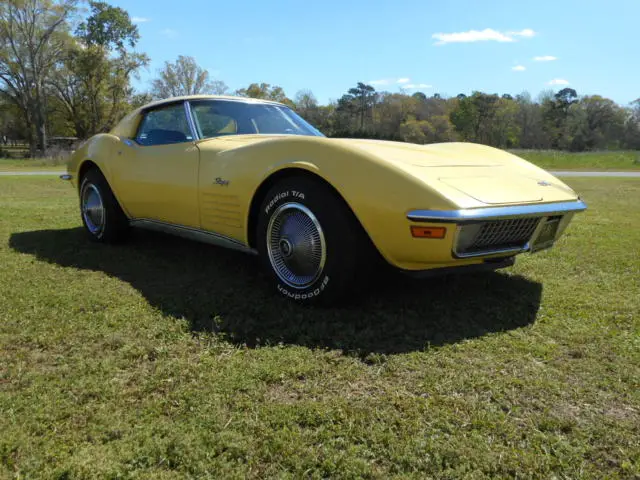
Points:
x=495 y=235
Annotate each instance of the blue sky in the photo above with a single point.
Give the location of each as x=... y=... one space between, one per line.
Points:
x=448 y=47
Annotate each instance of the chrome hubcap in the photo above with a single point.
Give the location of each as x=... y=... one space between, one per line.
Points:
x=92 y=208
x=286 y=248
x=296 y=245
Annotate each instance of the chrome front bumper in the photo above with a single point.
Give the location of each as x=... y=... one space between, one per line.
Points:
x=552 y=219
x=496 y=213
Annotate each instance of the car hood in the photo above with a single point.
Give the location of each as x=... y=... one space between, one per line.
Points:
x=487 y=175
x=434 y=155
x=470 y=175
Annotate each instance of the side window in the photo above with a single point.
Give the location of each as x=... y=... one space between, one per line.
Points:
x=273 y=120
x=163 y=126
x=213 y=119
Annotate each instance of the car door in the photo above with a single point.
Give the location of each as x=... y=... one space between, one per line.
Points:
x=222 y=193
x=157 y=171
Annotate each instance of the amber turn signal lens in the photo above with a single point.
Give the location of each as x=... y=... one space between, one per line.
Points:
x=428 y=232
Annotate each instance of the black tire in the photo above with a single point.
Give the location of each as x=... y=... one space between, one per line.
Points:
x=291 y=211
x=103 y=219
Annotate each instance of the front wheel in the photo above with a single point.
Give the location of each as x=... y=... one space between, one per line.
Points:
x=102 y=217
x=310 y=242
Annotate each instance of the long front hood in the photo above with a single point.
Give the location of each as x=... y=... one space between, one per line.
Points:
x=470 y=175
x=433 y=155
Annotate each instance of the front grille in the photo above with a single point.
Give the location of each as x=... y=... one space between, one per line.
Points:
x=495 y=235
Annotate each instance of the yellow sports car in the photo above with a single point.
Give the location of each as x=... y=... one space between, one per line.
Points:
x=253 y=175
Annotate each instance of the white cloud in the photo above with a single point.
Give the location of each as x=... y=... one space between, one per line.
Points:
x=488 y=34
x=471 y=36
x=384 y=81
x=527 y=33
x=416 y=86
x=169 y=33
x=558 y=81
x=545 y=58
x=389 y=81
x=519 y=68
x=402 y=82
x=140 y=19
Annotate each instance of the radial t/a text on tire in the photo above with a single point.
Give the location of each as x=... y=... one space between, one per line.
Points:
x=310 y=242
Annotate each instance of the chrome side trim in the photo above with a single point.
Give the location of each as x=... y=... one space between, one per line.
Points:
x=192 y=234
x=496 y=213
x=192 y=124
x=66 y=176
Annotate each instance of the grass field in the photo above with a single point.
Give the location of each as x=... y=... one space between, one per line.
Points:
x=30 y=164
x=557 y=160
x=163 y=359
x=12 y=158
x=548 y=159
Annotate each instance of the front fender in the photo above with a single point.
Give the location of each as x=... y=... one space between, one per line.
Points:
x=98 y=149
x=379 y=194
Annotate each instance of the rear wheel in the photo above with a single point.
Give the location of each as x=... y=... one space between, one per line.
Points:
x=310 y=242
x=102 y=217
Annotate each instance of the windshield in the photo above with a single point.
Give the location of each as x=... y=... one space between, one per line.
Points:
x=214 y=118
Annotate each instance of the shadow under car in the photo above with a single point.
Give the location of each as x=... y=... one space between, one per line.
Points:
x=226 y=291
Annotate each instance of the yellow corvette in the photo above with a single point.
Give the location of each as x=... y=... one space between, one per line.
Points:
x=252 y=175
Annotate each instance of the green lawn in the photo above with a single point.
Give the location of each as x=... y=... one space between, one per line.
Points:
x=28 y=164
x=548 y=159
x=164 y=358
x=556 y=160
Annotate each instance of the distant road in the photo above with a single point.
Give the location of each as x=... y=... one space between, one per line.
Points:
x=594 y=174
x=18 y=173
x=556 y=173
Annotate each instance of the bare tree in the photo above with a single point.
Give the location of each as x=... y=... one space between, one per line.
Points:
x=185 y=77
x=33 y=37
x=305 y=101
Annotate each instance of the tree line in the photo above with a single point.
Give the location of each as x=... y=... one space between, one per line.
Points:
x=562 y=120
x=65 y=72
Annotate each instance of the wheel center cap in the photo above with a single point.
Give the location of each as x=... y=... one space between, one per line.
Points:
x=285 y=247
